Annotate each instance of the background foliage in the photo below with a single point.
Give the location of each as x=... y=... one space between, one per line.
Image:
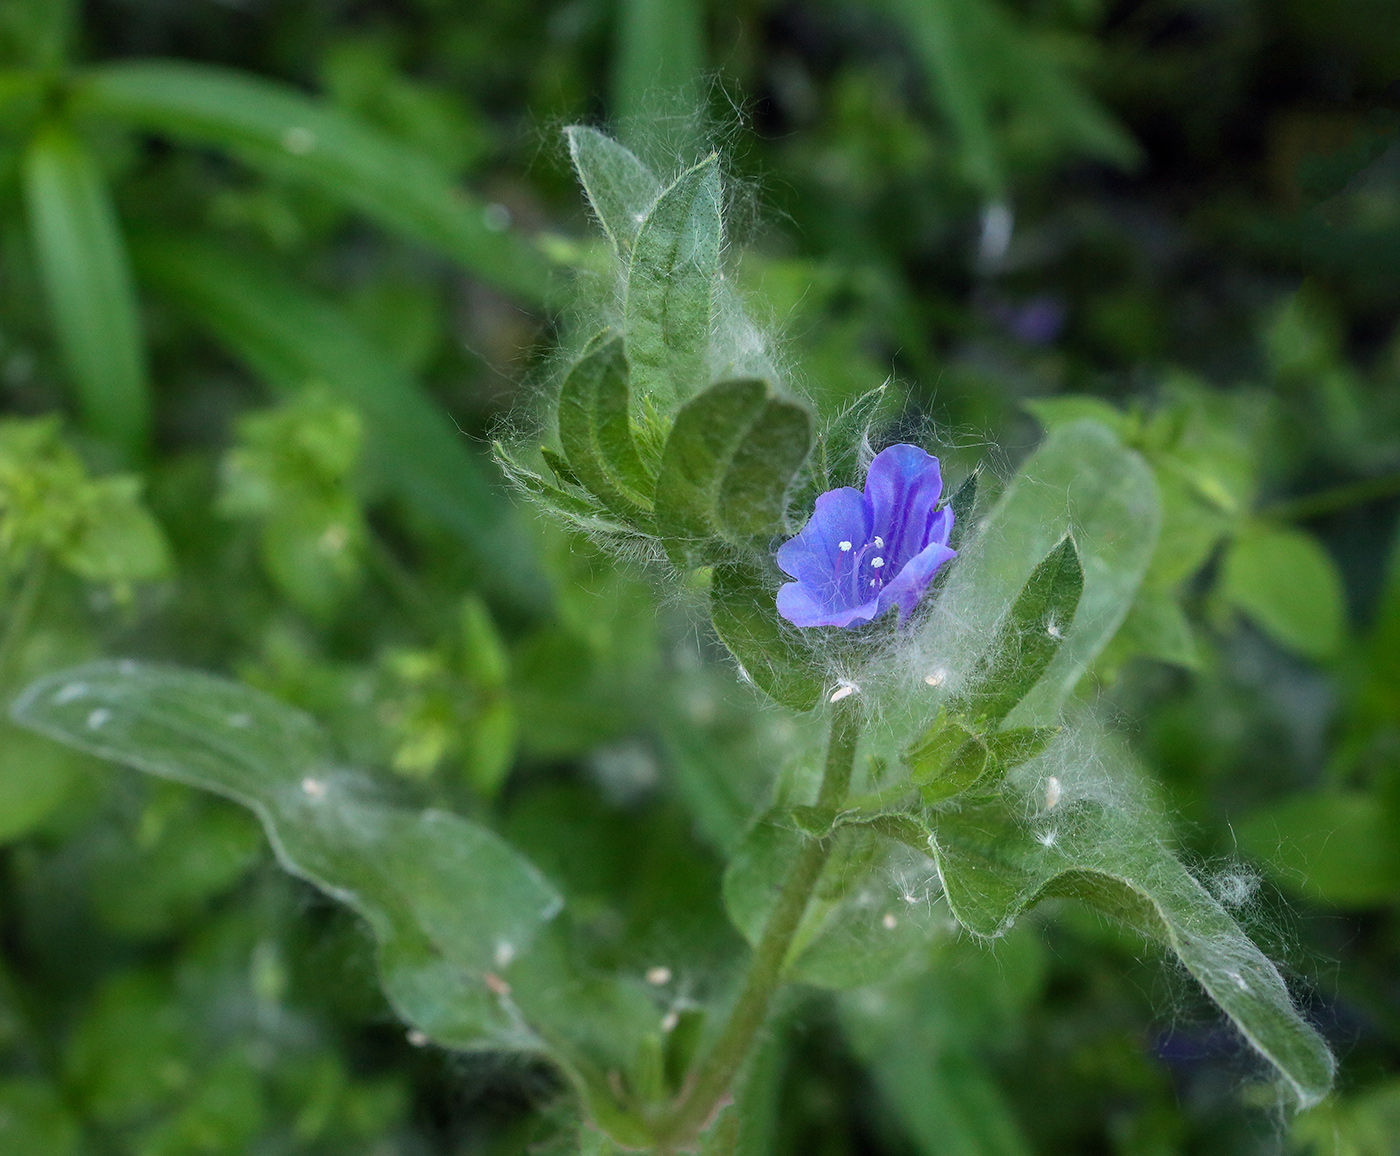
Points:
x=271 y=275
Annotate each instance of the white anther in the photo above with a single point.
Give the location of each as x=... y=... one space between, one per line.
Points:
x=889 y=921
x=879 y=543
x=845 y=547
x=876 y=563
x=845 y=690
x=937 y=677
x=417 y=1039
x=98 y=718
x=313 y=788
x=658 y=976
x=874 y=581
x=1052 y=793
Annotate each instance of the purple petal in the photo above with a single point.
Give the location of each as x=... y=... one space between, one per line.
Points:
x=796 y=604
x=815 y=556
x=908 y=586
x=903 y=487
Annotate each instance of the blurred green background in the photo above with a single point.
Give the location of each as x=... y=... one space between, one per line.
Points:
x=272 y=273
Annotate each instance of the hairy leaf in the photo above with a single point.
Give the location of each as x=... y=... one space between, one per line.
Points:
x=1081 y=481
x=449 y=903
x=745 y=615
x=280 y=130
x=595 y=429
x=672 y=281
x=726 y=468
x=620 y=188
x=996 y=860
x=1029 y=638
x=87 y=277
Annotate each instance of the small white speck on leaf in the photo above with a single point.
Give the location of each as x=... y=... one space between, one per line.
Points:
x=495 y=984
x=98 y=718
x=1053 y=791
x=239 y=720
x=658 y=976
x=313 y=788
x=845 y=690
x=669 y=1021
x=70 y=693
x=1048 y=838
x=505 y=952
x=417 y=1038
x=936 y=677
x=889 y=921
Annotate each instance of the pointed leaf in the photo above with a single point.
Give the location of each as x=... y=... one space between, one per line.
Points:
x=996 y=861
x=279 y=130
x=87 y=277
x=726 y=468
x=595 y=429
x=620 y=188
x=1028 y=639
x=671 y=285
x=1081 y=481
x=447 y=900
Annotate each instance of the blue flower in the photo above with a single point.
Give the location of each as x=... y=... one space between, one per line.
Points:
x=860 y=554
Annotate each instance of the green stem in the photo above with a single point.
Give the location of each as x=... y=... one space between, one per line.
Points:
x=1337 y=498
x=713 y=1076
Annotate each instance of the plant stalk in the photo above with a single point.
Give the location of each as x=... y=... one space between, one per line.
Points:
x=707 y=1089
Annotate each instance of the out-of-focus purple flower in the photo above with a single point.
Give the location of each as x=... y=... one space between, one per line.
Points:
x=860 y=554
x=1035 y=322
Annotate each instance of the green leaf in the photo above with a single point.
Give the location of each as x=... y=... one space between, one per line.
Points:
x=946 y=760
x=1081 y=481
x=87 y=277
x=595 y=429
x=277 y=129
x=35 y=778
x=871 y=914
x=1028 y=640
x=1339 y=849
x=1288 y=585
x=620 y=188
x=1156 y=628
x=292 y=339
x=727 y=466
x=1055 y=412
x=744 y=610
x=672 y=281
x=996 y=860
x=449 y=903
x=34 y=1118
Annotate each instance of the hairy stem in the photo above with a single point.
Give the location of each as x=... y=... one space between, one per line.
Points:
x=714 y=1074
